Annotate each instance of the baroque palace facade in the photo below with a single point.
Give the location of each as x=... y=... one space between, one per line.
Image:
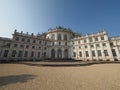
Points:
x=60 y=43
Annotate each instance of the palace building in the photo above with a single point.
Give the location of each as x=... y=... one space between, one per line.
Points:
x=60 y=43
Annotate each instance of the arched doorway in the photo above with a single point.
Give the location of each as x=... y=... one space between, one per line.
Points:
x=52 y=53
x=66 y=53
x=59 y=53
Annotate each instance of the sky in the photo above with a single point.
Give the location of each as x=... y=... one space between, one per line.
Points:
x=37 y=16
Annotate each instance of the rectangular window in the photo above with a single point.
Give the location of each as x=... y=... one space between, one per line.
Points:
x=87 y=54
x=65 y=43
x=74 y=54
x=45 y=48
x=104 y=44
x=8 y=45
x=59 y=43
x=106 y=53
x=99 y=53
x=114 y=52
x=13 y=53
x=65 y=37
x=6 y=53
x=96 y=39
x=32 y=54
x=20 y=54
x=92 y=46
x=33 y=47
x=85 y=46
x=90 y=39
x=34 y=41
x=15 y=45
x=97 y=45
x=21 y=46
x=59 y=36
x=93 y=53
x=102 y=38
x=80 y=54
x=85 y=41
x=28 y=40
x=26 y=54
x=27 y=46
x=38 y=54
x=111 y=44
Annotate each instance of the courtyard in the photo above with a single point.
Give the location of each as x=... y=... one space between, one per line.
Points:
x=22 y=76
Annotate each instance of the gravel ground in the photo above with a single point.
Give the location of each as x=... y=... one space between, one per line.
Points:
x=27 y=77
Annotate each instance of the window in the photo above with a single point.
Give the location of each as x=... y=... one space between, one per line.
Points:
x=85 y=46
x=99 y=53
x=114 y=52
x=53 y=37
x=8 y=45
x=87 y=54
x=97 y=45
x=93 y=53
x=39 y=48
x=17 y=39
x=21 y=46
x=20 y=54
x=106 y=53
x=13 y=53
x=73 y=47
x=23 y=40
x=27 y=46
x=44 y=54
x=52 y=43
x=92 y=46
x=85 y=41
x=45 y=43
x=38 y=54
x=78 y=41
x=80 y=54
x=26 y=54
x=45 y=48
x=65 y=43
x=59 y=43
x=73 y=42
x=34 y=41
x=104 y=44
x=90 y=39
x=28 y=40
x=79 y=47
x=39 y=42
x=32 y=54
x=96 y=39
x=59 y=36
x=111 y=44
x=102 y=38
x=6 y=53
x=74 y=54
x=65 y=37
x=15 y=45
x=33 y=47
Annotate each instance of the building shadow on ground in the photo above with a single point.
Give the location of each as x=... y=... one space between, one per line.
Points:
x=5 y=80
x=69 y=64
